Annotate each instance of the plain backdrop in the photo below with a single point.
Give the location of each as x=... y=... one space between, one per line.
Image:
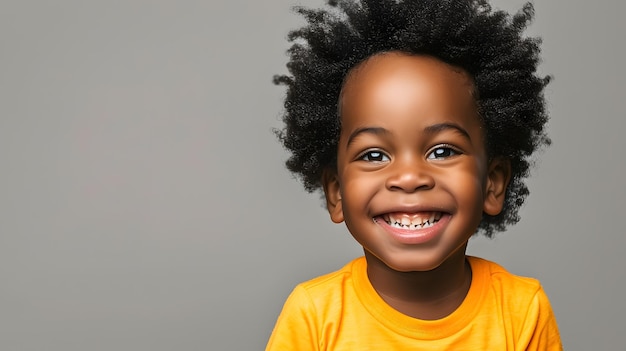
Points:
x=144 y=204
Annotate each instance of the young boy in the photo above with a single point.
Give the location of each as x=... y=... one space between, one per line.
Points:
x=417 y=119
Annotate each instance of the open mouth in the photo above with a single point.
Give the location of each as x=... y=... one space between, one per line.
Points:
x=412 y=221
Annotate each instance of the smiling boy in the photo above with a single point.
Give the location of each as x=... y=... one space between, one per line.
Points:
x=436 y=110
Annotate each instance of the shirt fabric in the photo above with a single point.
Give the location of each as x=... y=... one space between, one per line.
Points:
x=341 y=311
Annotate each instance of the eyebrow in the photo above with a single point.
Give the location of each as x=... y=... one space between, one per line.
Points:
x=366 y=130
x=432 y=129
x=435 y=128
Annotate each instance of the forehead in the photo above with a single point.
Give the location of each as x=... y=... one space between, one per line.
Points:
x=393 y=83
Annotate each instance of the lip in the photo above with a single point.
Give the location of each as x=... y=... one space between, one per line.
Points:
x=414 y=236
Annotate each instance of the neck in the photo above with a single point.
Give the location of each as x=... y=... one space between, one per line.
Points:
x=425 y=295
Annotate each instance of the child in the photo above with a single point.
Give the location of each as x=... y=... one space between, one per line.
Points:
x=417 y=119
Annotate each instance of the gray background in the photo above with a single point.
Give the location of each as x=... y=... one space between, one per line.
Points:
x=144 y=204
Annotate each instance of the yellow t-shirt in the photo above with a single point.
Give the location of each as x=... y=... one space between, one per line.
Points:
x=341 y=311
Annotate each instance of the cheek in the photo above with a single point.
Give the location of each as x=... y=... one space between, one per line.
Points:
x=353 y=191
x=468 y=183
x=358 y=191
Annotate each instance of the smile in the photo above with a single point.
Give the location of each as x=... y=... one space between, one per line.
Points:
x=415 y=221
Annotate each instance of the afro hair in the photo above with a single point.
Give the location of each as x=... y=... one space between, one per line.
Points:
x=469 y=34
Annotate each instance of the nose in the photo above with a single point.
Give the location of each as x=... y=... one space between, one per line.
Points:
x=410 y=175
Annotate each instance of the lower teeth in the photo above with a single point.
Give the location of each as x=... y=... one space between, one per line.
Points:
x=426 y=224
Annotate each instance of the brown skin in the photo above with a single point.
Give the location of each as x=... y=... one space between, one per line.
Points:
x=412 y=144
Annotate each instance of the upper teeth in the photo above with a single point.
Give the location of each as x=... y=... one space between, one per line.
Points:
x=413 y=221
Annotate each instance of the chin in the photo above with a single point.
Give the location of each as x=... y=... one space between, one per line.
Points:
x=413 y=263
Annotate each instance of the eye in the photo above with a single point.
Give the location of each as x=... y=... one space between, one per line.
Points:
x=441 y=152
x=374 y=156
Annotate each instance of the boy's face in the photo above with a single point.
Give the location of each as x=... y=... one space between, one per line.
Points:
x=412 y=178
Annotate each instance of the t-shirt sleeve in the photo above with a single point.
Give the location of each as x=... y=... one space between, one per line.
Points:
x=296 y=327
x=541 y=332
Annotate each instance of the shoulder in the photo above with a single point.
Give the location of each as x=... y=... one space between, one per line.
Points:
x=522 y=302
x=321 y=298
x=327 y=285
x=498 y=278
x=518 y=297
x=300 y=325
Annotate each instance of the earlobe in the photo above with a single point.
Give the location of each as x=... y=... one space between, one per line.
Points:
x=332 y=192
x=498 y=177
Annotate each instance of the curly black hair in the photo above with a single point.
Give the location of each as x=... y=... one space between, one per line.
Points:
x=468 y=34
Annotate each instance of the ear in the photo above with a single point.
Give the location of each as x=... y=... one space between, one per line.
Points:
x=332 y=192
x=498 y=176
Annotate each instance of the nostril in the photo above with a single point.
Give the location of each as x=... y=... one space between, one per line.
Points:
x=410 y=181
